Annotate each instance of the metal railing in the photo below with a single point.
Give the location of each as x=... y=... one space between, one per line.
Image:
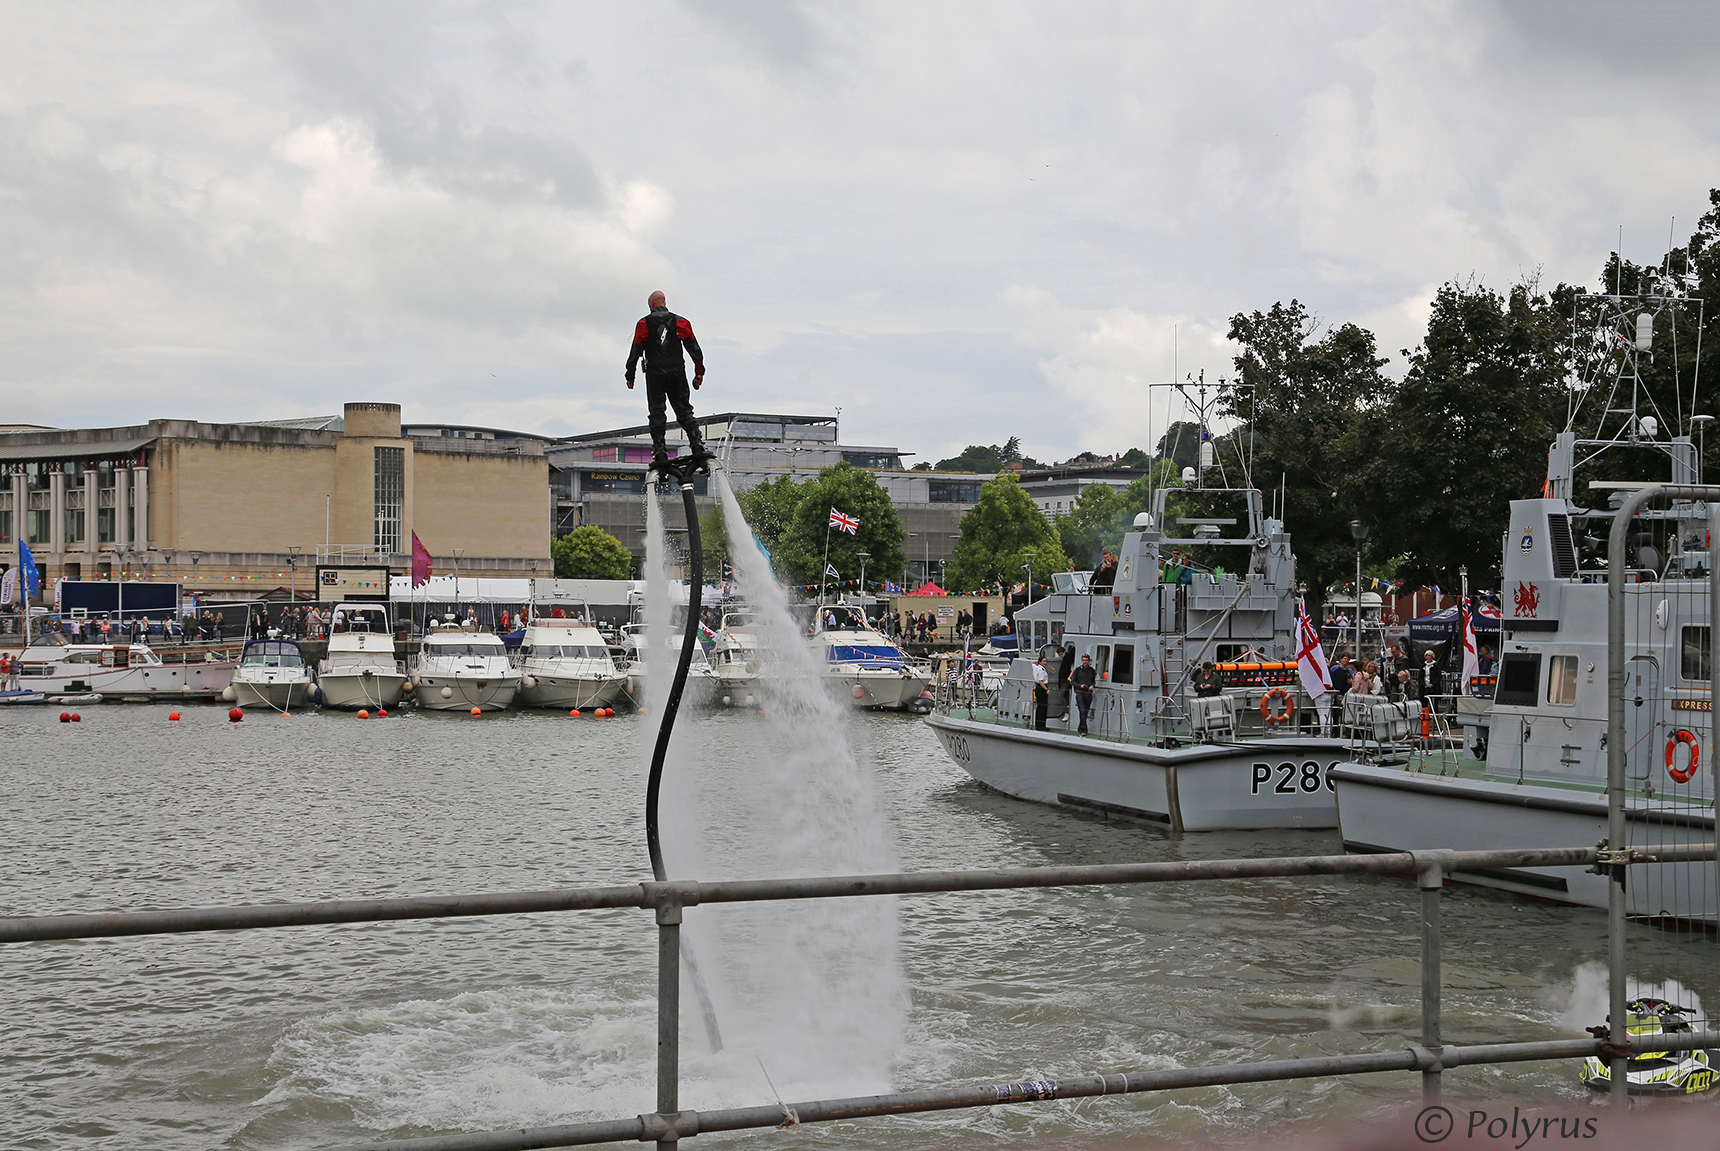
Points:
x=668 y=900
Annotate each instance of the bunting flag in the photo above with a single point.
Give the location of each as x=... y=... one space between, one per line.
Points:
x=832 y=572
x=420 y=562
x=844 y=522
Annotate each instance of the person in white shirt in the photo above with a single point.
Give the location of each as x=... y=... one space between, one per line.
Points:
x=1041 y=693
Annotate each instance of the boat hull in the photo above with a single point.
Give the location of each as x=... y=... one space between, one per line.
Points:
x=351 y=691
x=447 y=692
x=1276 y=783
x=280 y=694
x=877 y=688
x=570 y=691
x=1391 y=809
x=174 y=681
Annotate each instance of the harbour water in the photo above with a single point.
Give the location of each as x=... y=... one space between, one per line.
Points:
x=314 y=1036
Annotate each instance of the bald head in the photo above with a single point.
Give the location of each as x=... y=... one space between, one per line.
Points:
x=657 y=300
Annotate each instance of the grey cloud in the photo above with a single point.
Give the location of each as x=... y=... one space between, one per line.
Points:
x=779 y=32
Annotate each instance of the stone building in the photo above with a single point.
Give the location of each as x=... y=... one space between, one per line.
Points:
x=236 y=511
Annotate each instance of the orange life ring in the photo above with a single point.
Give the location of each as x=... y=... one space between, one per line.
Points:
x=1679 y=737
x=1280 y=717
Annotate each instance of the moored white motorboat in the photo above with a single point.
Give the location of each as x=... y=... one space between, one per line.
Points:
x=860 y=663
x=564 y=662
x=457 y=669
x=736 y=660
x=361 y=671
x=117 y=672
x=271 y=673
x=702 y=685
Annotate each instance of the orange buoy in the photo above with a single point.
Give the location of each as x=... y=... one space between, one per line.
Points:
x=234 y=715
x=575 y=711
x=477 y=711
x=65 y=717
x=641 y=711
x=382 y=713
x=173 y=716
x=362 y=714
x=76 y=718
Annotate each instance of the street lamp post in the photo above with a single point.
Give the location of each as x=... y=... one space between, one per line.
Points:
x=911 y=535
x=864 y=556
x=1463 y=580
x=1359 y=531
x=293 y=571
x=1028 y=568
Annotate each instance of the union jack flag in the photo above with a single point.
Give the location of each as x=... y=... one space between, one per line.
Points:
x=842 y=521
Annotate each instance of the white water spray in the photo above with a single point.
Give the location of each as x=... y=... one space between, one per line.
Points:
x=812 y=988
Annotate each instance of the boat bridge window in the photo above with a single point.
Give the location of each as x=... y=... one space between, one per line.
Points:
x=271 y=655
x=477 y=649
x=568 y=651
x=1693 y=655
x=1123 y=665
x=1070 y=583
x=1519 y=679
x=1562 y=679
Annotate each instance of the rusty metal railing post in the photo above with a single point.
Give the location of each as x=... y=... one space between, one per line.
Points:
x=668 y=1013
x=1431 y=880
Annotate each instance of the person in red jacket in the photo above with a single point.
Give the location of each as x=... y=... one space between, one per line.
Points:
x=659 y=339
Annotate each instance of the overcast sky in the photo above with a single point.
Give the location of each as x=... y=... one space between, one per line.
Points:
x=957 y=222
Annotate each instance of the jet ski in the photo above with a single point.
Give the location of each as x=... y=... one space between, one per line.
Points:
x=1657 y=1072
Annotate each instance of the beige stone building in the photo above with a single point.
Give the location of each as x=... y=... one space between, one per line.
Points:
x=236 y=511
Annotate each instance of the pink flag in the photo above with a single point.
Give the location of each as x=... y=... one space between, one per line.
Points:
x=420 y=562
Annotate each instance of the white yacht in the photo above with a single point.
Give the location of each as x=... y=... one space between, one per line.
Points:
x=271 y=673
x=360 y=669
x=121 y=671
x=565 y=663
x=737 y=661
x=459 y=667
x=861 y=663
x=702 y=685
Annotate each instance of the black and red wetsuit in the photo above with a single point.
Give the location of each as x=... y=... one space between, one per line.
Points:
x=659 y=339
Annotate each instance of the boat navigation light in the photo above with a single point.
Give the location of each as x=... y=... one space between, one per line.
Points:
x=1644 y=331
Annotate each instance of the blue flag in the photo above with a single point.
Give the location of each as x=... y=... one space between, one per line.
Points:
x=32 y=577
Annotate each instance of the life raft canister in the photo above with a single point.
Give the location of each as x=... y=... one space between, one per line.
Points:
x=1689 y=770
x=1276 y=718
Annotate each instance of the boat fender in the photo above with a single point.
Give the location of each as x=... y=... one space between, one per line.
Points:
x=447 y=693
x=1276 y=718
x=1685 y=774
x=528 y=682
x=227 y=694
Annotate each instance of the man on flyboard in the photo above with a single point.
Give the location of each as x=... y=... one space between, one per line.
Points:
x=659 y=338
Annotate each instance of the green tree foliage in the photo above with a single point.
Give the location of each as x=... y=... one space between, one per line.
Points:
x=769 y=508
x=1465 y=432
x=1298 y=418
x=1134 y=458
x=799 y=547
x=591 y=553
x=1181 y=443
x=1091 y=523
x=996 y=535
x=988 y=460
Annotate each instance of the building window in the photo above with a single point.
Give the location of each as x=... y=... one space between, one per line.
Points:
x=5 y=525
x=954 y=491
x=40 y=524
x=603 y=455
x=74 y=523
x=871 y=460
x=390 y=498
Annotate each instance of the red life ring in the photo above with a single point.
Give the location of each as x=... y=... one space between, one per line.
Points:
x=1679 y=737
x=1276 y=718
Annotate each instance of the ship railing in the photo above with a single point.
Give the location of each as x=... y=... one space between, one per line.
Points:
x=1428 y=1054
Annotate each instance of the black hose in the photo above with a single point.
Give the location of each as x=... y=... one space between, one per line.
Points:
x=683 y=472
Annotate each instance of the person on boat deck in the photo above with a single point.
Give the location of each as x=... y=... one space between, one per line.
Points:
x=1041 y=693
x=1065 y=669
x=1083 y=679
x=1207 y=681
x=1341 y=674
x=1362 y=682
x=1485 y=661
x=1105 y=574
x=659 y=339
x=1404 y=688
x=1430 y=677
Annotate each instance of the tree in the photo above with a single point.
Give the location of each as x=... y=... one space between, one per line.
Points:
x=1299 y=416
x=1134 y=458
x=591 y=553
x=1465 y=433
x=1181 y=442
x=799 y=549
x=996 y=535
x=1090 y=523
x=988 y=460
x=768 y=509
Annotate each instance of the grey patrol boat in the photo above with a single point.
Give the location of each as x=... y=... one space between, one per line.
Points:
x=1533 y=768
x=1253 y=757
